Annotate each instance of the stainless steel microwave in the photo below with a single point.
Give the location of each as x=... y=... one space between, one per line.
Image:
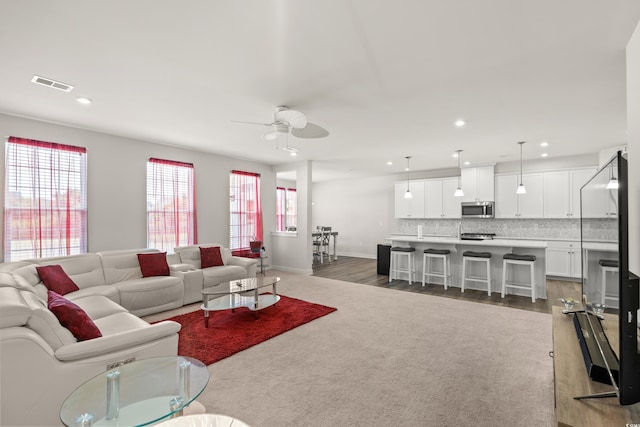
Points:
x=478 y=209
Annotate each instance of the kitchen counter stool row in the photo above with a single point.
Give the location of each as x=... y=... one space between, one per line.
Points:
x=442 y=257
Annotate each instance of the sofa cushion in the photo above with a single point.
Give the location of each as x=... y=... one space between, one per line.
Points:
x=55 y=279
x=210 y=257
x=154 y=264
x=73 y=317
x=143 y=293
x=97 y=307
x=84 y=269
x=216 y=275
x=43 y=322
x=191 y=254
x=15 y=311
x=122 y=265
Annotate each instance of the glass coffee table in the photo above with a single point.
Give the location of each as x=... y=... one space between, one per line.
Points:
x=239 y=293
x=139 y=393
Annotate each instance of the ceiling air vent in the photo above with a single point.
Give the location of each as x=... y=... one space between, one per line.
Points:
x=51 y=83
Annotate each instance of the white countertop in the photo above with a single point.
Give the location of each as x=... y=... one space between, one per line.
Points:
x=450 y=240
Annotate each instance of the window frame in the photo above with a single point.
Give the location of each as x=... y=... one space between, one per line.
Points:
x=245 y=225
x=45 y=203
x=171 y=184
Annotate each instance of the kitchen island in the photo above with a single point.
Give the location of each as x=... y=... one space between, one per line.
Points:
x=497 y=247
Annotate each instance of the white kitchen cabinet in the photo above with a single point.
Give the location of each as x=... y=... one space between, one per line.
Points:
x=451 y=203
x=512 y=205
x=439 y=199
x=477 y=184
x=409 y=208
x=597 y=203
x=557 y=200
x=530 y=205
x=562 y=193
x=506 y=197
x=563 y=259
x=578 y=178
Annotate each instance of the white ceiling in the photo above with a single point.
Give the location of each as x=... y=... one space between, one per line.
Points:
x=386 y=78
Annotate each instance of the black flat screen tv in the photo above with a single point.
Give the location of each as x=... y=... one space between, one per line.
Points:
x=607 y=282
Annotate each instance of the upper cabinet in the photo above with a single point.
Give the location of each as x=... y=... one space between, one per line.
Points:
x=477 y=184
x=553 y=194
x=440 y=201
x=509 y=204
x=562 y=192
x=413 y=207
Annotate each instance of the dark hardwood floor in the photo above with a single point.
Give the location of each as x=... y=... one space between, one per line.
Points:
x=363 y=270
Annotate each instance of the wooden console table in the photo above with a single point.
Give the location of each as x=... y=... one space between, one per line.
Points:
x=571 y=379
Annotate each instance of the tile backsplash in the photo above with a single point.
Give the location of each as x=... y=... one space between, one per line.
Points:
x=598 y=229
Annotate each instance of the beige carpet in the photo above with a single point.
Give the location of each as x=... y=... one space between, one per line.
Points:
x=391 y=358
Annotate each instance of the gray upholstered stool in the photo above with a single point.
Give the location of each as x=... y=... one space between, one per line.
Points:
x=477 y=257
x=432 y=255
x=397 y=252
x=607 y=266
x=514 y=260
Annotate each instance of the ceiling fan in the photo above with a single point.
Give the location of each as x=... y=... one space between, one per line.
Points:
x=285 y=122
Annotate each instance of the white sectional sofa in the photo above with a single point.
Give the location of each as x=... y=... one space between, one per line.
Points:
x=41 y=362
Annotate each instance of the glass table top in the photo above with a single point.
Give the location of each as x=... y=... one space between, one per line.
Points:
x=149 y=390
x=241 y=286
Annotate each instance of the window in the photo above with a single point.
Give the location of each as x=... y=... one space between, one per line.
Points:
x=45 y=206
x=245 y=211
x=171 y=204
x=286 y=208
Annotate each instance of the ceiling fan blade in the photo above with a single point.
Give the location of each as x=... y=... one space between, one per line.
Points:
x=252 y=123
x=296 y=119
x=311 y=130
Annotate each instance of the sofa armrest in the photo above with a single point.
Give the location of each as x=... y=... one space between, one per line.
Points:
x=118 y=341
x=243 y=262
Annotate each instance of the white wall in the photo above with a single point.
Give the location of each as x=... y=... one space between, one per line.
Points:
x=633 y=141
x=117 y=184
x=360 y=210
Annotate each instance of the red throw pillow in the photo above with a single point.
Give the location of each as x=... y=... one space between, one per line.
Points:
x=210 y=257
x=154 y=264
x=72 y=317
x=56 y=280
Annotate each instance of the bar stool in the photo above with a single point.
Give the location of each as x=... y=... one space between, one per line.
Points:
x=481 y=257
x=432 y=255
x=394 y=268
x=607 y=266
x=517 y=259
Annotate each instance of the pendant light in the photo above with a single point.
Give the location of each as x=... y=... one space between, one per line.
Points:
x=521 y=189
x=613 y=181
x=408 y=194
x=459 y=192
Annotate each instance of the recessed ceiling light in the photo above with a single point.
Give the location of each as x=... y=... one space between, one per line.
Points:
x=459 y=123
x=467 y=163
x=84 y=100
x=389 y=163
x=455 y=154
x=544 y=144
x=543 y=155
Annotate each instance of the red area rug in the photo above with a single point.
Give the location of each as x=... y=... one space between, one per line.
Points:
x=229 y=333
